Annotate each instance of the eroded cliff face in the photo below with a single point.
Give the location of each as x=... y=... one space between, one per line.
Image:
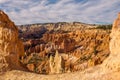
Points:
x=11 y=48
x=113 y=62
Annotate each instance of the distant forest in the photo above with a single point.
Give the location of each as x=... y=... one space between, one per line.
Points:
x=105 y=27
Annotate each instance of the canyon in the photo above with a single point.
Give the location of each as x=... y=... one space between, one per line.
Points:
x=80 y=45
x=58 y=51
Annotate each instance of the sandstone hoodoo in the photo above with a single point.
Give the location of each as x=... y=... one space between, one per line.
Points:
x=11 y=47
x=56 y=64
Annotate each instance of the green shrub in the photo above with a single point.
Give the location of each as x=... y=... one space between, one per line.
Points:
x=105 y=27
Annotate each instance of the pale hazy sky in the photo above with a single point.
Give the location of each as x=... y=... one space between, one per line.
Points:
x=43 y=11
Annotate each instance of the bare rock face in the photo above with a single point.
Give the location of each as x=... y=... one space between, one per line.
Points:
x=112 y=62
x=116 y=23
x=11 y=48
x=55 y=64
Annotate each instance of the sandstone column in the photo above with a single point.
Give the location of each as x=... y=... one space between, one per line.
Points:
x=55 y=63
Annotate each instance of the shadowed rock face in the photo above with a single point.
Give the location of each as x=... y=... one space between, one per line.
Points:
x=11 y=48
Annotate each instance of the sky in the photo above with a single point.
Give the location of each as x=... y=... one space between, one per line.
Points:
x=45 y=11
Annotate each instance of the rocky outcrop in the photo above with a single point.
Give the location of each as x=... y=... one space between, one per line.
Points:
x=116 y=23
x=56 y=64
x=113 y=62
x=11 y=47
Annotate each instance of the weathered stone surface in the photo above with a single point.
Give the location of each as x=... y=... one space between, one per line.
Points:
x=116 y=23
x=56 y=64
x=31 y=67
x=113 y=62
x=11 y=48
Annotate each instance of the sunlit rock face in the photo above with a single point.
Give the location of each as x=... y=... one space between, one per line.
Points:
x=116 y=23
x=115 y=35
x=11 y=48
x=112 y=62
x=55 y=64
